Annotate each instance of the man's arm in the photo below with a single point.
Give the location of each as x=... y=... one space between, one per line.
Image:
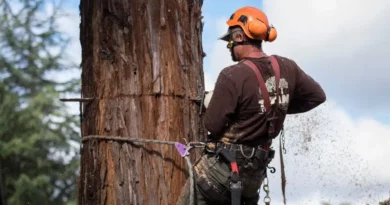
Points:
x=308 y=93
x=222 y=106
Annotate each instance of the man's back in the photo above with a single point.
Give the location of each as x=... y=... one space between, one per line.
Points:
x=236 y=112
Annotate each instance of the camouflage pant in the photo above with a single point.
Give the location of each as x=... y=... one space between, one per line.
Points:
x=212 y=183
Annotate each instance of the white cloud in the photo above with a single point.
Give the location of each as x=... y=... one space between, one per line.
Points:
x=334 y=157
x=342 y=43
x=69 y=24
x=219 y=55
x=330 y=155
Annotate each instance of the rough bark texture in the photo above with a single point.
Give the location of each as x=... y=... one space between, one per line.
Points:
x=141 y=62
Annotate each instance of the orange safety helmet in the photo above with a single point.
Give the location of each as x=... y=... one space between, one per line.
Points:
x=253 y=22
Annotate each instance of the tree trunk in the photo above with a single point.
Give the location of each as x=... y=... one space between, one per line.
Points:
x=142 y=63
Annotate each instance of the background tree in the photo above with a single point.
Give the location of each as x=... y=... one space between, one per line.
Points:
x=327 y=203
x=386 y=202
x=35 y=129
x=142 y=65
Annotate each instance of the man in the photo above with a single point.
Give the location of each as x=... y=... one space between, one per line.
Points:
x=246 y=112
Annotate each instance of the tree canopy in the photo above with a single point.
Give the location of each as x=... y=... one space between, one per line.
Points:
x=37 y=160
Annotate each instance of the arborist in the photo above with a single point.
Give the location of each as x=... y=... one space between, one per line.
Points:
x=246 y=111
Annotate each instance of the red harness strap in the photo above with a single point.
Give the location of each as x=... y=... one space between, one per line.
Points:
x=260 y=79
x=275 y=66
x=271 y=116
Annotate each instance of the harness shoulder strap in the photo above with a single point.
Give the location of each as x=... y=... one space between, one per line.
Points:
x=275 y=66
x=260 y=79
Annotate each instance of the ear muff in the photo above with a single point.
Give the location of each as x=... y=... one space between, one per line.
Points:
x=272 y=34
x=261 y=31
x=257 y=29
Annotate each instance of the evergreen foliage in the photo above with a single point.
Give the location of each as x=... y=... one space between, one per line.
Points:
x=36 y=130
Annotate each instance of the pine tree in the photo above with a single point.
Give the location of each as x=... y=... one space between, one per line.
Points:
x=35 y=129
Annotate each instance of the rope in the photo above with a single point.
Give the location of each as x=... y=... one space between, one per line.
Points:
x=191 y=173
x=283 y=174
x=124 y=139
x=162 y=142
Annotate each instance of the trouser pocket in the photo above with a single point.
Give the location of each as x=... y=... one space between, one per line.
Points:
x=251 y=176
x=251 y=180
x=212 y=180
x=214 y=193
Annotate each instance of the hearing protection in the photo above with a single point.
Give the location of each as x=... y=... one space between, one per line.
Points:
x=253 y=22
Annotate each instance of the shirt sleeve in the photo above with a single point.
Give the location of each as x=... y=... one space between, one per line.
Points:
x=222 y=106
x=308 y=93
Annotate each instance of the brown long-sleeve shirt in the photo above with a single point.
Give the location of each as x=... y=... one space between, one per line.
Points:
x=236 y=112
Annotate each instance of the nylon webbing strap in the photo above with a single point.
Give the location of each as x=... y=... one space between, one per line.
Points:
x=275 y=66
x=260 y=79
x=236 y=196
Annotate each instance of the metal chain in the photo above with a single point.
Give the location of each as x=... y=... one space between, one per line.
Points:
x=267 y=198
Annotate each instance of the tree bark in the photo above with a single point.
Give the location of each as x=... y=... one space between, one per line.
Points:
x=142 y=63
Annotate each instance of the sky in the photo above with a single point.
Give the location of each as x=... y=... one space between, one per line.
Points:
x=340 y=151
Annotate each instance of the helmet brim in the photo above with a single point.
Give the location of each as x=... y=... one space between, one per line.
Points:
x=225 y=37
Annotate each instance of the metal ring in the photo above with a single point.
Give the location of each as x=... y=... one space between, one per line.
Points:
x=266 y=188
x=265 y=181
x=267 y=199
x=243 y=154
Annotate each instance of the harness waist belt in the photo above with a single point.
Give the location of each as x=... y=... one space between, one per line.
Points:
x=241 y=151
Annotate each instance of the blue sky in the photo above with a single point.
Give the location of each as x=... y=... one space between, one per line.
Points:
x=214 y=11
x=217 y=9
x=332 y=47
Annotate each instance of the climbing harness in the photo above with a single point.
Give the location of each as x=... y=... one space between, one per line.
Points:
x=270 y=113
x=271 y=117
x=181 y=148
